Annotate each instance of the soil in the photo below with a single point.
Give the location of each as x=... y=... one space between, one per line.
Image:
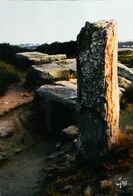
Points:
x=16 y=95
x=22 y=152
x=22 y=176
x=67 y=174
x=26 y=169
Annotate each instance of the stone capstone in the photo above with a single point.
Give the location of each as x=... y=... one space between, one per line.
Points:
x=56 y=106
x=64 y=94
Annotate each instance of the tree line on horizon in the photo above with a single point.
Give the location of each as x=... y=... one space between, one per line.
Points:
x=8 y=51
x=68 y=48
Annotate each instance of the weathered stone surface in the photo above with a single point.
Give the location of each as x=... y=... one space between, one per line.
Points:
x=51 y=71
x=98 y=93
x=72 y=68
x=56 y=106
x=73 y=81
x=69 y=84
x=67 y=61
x=63 y=94
x=46 y=73
x=39 y=58
x=124 y=83
x=65 y=69
x=125 y=72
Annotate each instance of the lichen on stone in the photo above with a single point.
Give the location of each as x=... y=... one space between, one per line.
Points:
x=97 y=85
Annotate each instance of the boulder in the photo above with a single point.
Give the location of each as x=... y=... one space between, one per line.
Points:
x=66 y=62
x=55 y=106
x=125 y=72
x=63 y=93
x=46 y=73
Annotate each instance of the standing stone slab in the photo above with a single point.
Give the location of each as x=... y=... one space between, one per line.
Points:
x=98 y=94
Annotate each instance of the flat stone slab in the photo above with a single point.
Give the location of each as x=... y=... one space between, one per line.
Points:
x=69 y=84
x=64 y=93
x=51 y=71
x=56 y=105
x=125 y=72
x=39 y=58
x=47 y=73
x=72 y=67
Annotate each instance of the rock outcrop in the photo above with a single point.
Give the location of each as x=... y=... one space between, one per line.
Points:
x=65 y=69
x=38 y=58
x=125 y=72
x=56 y=107
x=98 y=93
x=47 y=73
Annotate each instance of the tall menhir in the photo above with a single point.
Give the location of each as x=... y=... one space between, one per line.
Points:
x=98 y=94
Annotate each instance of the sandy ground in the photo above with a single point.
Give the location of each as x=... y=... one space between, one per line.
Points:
x=16 y=95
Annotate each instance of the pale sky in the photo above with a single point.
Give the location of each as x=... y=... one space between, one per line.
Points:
x=49 y=21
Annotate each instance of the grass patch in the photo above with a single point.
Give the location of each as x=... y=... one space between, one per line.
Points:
x=8 y=75
x=126 y=57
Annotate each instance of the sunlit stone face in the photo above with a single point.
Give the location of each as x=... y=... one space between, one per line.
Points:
x=98 y=94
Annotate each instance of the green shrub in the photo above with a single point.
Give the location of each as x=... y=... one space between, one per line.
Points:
x=8 y=75
x=126 y=57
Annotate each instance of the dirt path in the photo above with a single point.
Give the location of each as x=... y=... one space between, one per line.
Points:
x=15 y=96
x=23 y=175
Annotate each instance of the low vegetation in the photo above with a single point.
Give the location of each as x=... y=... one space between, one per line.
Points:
x=126 y=57
x=8 y=52
x=68 y=48
x=8 y=75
